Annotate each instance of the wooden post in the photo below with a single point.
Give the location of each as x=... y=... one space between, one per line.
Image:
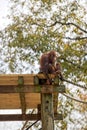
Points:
x=47 y=114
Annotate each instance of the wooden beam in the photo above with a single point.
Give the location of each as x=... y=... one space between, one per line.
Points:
x=12 y=79
x=32 y=89
x=20 y=117
x=58 y=116
x=55 y=95
x=55 y=101
x=22 y=95
x=47 y=113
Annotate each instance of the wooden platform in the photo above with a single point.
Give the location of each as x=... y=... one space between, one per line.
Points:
x=18 y=91
x=12 y=100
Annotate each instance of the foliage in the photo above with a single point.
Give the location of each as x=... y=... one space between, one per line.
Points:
x=39 y=26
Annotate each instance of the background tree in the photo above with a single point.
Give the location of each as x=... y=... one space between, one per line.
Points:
x=38 y=26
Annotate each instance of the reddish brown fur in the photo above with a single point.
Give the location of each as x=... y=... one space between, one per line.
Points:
x=58 y=70
x=48 y=64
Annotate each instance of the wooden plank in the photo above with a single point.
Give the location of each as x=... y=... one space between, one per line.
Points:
x=32 y=100
x=58 y=116
x=32 y=89
x=55 y=96
x=12 y=101
x=20 y=117
x=55 y=102
x=12 y=79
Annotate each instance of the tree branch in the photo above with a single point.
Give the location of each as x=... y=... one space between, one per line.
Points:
x=78 y=85
x=58 y=22
x=32 y=125
x=74 y=98
x=26 y=121
x=76 y=38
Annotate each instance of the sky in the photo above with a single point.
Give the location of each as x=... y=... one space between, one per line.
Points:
x=4 y=10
